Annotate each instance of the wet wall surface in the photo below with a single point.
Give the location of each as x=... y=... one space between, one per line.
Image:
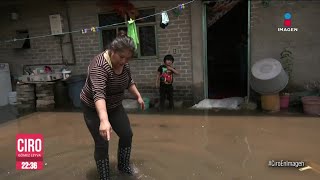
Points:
x=170 y=147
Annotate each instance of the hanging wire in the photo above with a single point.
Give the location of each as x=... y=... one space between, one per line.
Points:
x=110 y=25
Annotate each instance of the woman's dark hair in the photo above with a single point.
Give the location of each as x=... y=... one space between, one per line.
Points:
x=168 y=57
x=121 y=42
x=122 y=33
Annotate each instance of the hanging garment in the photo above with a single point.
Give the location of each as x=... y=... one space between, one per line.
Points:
x=164 y=20
x=132 y=32
x=177 y=12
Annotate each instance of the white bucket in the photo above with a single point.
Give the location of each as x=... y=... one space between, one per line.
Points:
x=268 y=77
x=12 y=96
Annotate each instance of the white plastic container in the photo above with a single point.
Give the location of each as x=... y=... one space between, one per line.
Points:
x=12 y=97
x=66 y=74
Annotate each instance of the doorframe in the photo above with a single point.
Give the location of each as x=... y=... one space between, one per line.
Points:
x=205 y=42
x=248 y=53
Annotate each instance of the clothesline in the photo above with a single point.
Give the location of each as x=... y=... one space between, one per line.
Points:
x=101 y=27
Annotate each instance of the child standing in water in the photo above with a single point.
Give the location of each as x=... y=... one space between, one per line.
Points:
x=165 y=77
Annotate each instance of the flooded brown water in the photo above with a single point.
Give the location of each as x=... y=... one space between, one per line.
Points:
x=171 y=147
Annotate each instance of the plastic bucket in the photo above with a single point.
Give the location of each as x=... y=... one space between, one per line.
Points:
x=311 y=105
x=270 y=102
x=75 y=85
x=12 y=96
x=61 y=96
x=284 y=102
x=268 y=76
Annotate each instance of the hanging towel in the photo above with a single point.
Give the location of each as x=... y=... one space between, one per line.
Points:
x=132 y=32
x=164 y=20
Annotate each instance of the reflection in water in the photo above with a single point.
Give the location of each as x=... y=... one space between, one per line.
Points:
x=170 y=147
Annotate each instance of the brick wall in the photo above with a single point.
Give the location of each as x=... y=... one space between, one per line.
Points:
x=266 y=41
x=83 y=15
x=86 y=46
x=177 y=36
x=43 y=50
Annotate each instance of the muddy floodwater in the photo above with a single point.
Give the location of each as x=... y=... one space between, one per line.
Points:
x=172 y=147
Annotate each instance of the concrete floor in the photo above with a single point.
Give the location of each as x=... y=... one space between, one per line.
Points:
x=171 y=147
x=8 y=113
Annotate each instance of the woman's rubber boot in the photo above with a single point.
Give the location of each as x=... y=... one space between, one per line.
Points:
x=103 y=169
x=124 y=160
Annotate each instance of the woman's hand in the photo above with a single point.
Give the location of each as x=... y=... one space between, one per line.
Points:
x=105 y=129
x=141 y=102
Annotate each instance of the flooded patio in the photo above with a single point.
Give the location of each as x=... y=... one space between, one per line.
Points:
x=171 y=147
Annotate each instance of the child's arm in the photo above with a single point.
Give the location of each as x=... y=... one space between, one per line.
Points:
x=158 y=76
x=157 y=80
x=174 y=70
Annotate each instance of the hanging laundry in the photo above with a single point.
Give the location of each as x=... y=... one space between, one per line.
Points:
x=84 y=31
x=181 y=6
x=132 y=32
x=177 y=11
x=164 y=20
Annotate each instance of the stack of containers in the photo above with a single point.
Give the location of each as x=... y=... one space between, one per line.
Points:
x=268 y=79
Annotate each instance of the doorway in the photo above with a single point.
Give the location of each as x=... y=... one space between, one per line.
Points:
x=227 y=49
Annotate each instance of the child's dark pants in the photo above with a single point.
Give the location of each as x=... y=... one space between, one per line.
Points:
x=166 y=92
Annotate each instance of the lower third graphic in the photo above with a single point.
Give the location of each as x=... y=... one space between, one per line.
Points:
x=29 y=152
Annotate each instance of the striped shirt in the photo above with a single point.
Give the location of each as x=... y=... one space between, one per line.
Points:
x=103 y=83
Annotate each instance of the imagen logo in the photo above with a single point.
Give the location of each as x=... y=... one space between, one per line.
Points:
x=287 y=22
